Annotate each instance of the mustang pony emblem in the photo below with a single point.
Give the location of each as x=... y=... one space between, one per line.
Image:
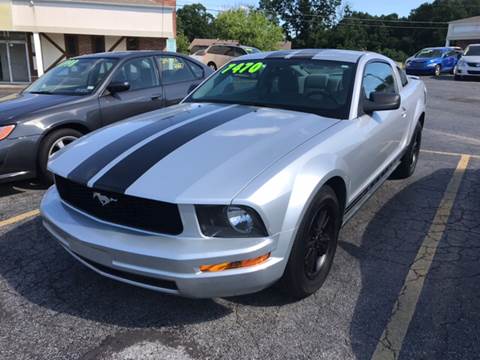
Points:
x=104 y=200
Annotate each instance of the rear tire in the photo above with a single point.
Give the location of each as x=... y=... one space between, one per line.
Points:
x=212 y=66
x=53 y=142
x=407 y=166
x=314 y=248
x=437 y=71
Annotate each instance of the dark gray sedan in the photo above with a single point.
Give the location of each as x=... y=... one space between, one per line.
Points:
x=83 y=94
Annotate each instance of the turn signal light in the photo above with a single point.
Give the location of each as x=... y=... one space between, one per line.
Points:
x=5 y=131
x=235 y=264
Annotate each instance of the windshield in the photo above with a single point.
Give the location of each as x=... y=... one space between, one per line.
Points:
x=73 y=77
x=429 y=53
x=314 y=86
x=251 y=50
x=473 y=51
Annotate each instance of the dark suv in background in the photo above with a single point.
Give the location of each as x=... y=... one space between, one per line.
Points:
x=83 y=94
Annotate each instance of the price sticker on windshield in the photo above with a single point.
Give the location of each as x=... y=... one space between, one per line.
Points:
x=240 y=68
x=69 y=63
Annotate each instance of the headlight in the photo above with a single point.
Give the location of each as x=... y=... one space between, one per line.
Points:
x=461 y=63
x=5 y=131
x=230 y=221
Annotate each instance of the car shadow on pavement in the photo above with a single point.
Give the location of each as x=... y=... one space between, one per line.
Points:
x=43 y=273
x=388 y=248
x=19 y=187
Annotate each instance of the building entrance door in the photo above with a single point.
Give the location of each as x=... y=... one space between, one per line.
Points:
x=14 y=65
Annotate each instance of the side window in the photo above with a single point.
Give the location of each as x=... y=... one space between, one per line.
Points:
x=403 y=77
x=379 y=77
x=139 y=73
x=230 y=51
x=174 y=69
x=217 y=50
x=196 y=69
x=239 y=52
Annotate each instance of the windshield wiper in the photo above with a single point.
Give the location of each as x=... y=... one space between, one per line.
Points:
x=41 y=92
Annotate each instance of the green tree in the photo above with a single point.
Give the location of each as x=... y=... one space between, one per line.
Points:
x=304 y=21
x=182 y=43
x=250 y=27
x=195 y=22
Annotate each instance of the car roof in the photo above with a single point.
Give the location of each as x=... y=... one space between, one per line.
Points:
x=314 y=54
x=441 y=48
x=126 y=54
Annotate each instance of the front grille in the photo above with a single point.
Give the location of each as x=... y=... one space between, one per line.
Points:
x=160 y=283
x=473 y=64
x=134 y=212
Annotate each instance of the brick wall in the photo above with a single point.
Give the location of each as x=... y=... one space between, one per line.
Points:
x=84 y=44
x=171 y=3
x=151 y=43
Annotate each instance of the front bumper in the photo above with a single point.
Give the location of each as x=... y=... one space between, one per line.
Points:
x=467 y=71
x=168 y=264
x=18 y=158
x=420 y=70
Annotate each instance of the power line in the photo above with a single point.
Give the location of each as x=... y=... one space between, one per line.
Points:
x=394 y=26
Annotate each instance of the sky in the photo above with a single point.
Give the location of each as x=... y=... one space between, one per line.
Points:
x=374 y=7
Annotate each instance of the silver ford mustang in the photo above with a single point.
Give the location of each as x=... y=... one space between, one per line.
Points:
x=246 y=182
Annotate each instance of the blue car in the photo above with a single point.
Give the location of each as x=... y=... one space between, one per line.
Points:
x=433 y=61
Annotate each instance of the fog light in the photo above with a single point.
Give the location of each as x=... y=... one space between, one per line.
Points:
x=235 y=265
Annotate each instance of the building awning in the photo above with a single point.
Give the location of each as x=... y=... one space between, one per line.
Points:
x=141 y=18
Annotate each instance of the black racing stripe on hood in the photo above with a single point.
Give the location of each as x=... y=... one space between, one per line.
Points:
x=278 y=54
x=128 y=170
x=97 y=161
x=306 y=54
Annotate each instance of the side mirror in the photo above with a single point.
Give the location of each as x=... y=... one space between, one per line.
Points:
x=381 y=102
x=118 y=86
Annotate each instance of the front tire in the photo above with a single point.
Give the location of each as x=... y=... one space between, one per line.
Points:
x=314 y=248
x=212 y=66
x=52 y=143
x=408 y=164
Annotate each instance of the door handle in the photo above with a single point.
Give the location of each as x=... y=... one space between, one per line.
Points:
x=156 y=97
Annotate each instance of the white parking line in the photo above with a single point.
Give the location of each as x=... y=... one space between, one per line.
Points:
x=390 y=343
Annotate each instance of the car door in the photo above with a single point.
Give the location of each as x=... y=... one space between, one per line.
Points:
x=448 y=61
x=144 y=94
x=379 y=134
x=179 y=76
x=220 y=56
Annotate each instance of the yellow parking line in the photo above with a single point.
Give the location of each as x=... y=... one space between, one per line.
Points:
x=19 y=218
x=449 y=153
x=390 y=342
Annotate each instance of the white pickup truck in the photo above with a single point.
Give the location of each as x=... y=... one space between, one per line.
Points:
x=246 y=182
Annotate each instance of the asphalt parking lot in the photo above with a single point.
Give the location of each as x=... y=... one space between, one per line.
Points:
x=405 y=283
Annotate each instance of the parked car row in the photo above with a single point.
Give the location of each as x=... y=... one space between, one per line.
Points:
x=83 y=94
x=439 y=60
x=433 y=61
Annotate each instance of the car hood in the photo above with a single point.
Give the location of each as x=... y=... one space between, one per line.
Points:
x=472 y=59
x=16 y=105
x=424 y=60
x=190 y=153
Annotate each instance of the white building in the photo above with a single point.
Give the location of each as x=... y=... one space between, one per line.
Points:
x=35 y=35
x=463 y=32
